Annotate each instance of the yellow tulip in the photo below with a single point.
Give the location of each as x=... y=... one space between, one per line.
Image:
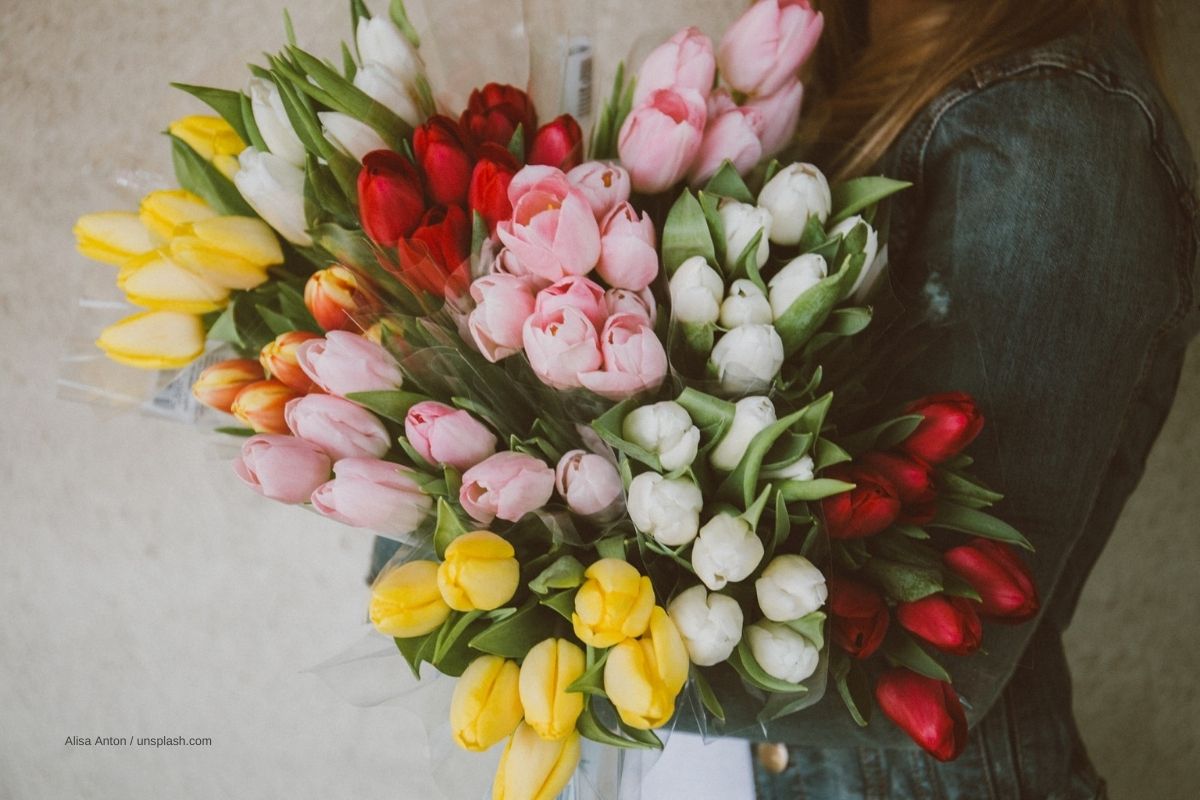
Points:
x=643 y=677
x=533 y=768
x=233 y=252
x=155 y=281
x=154 y=340
x=113 y=237
x=479 y=573
x=162 y=212
x=613 y=604
x=405 y=601
x=486 y=706
x=548 y=669
x=213 y=138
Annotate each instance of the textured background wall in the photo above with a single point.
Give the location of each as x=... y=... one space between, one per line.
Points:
x=144 y=593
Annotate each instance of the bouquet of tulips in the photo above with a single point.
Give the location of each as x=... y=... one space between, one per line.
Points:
x=591 y=388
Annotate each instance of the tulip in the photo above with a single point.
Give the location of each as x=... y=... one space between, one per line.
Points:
x=390 y=91
x=164 y=211
x=790 y=588
x=797 y=277
x=390 y=197
x=154 y=340
x=666 y=430
x=558 y=143
x=660 y=138
x=1001 y=578
x=605 y=184
x=613 y=604
x=113 y=237
x=869 y=508
x=575 y=292
x=552 y=232
x=951 y=422
x=870 y=250
x=745 y=305
x=733 y=136
x=748 y=358
x=485 y=707
x=589 y=483
x=435 y=259
x=382 y=44
x=231 y=252
x=780 y=114
x=480 y=572
x=157 y=282
x=766 y=46
x=623 y=301
x=212 y=138
x=502 y=304
x=799 y=470
x=696 y=292
x=726 y=551
x=446 y=436
x=742 y=222
x=274 y=188
x=751 y=415
x=507 y=485
x=782 y=653
x=282 y=468
x=685 y=61
x=794 y=195
x=262 y=406
x=338 y=299
x=634 y=359
x=494 y=112
x=405 y=601
x=628 y=249
x=343 y=363
x=353 y=137
x=337 y=426
x=271 y=119
x=487 y=194
x=667 y=509
x=548 y=669
x=218 y=385
x=710 y=624
x=279 y=358
x=373 y=494
x=928 y=710
x=858 y=616
x=913 y=482
x=442 y=156
x=560 y=346
x=951 y=624
x=643 y=677
x=533 y=768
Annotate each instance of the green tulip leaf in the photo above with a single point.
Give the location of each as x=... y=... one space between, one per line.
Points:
x=592 y=680
x=968 y=520
x=854 y=687
x=223 y=101
x=815 y=489
x=565 y=573
x=742 y=484
x=708 y=697
x=902 y=582
x=728 y=183
x=685 y=234
x=448 y=528
x=390 y=404
x=810 y=626
x=514 y=636
x=853 y=196
x=901 y=650
x=562 y=603
x=200 y=177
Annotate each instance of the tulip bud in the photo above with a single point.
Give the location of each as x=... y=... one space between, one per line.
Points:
x=628 y=250
x=950 y=624
x=487 y=194
x=799 y=470
x=112 y=237
x=219 y=384
x=742 y=222
x=154 y=340
x=486 y=706
x=751 y=415
x=685 y=61
x=390 y=91
x=282 y=468
x=926 y=709
x=869 y=508
x=793 y=195
x=641 y=304
x=797 y=277
x=351 y=136
x=552 y=232
x=560 y=346
x=435 y=259
x=157 y=282
x=1001 y=578
x=790 y=588
x=667 y=509
x=858 y=616
x=339 y=427
x=278 y=358
x=548 y=669
x=747 y=359
x=634 y=359
x=377 y=495
x=502 y=304
x=262 y=406
x=274 y=188
x=381 y=43
x=913 y=482
x=613 y=604
x=726 y=551
x=164 y=211
x=952 y=421
x=271 y=119
x=231 y=252
x=605 y=184
x=781 y=652
x=338 y=299
x=666 y=430
x=447 y=436
x=780 y=113
x=710 y=624
x=696 y=292
x=870 y=250
x=212 y=138
x=660 y=138
x=533 y=768
x=494 y=112
x=745 y=305
x=583 y=295
x=442 y=156
x=344 y=363
x=507 y=485
x=391 y=199
x=733 y=136
x=765 y=47
x=405 y=601
x=558 y=143
x=589 y=483
x=480 y=572
x=643 y=677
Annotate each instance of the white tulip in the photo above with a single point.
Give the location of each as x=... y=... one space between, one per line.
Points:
x=799 y=470
x=781 y=652
x=742 y=222
x=797 y=277
x=750 y=416
x=726 y=551
x=666 y=430
x=352 y=137
x=385 y=88
x=871 y=250
x=275 y=189
x=696 y=292
x=272 y=121
x=790 y=588
x=745 y=305
x=382 y=44
x=710 y=624
x=748 y=358
x=795 y=193
x=667 y=509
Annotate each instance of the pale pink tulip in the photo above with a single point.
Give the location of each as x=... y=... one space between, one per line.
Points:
x=685 y=61
x=337 y=426
x=780 y=114
x=589 y=483
x=766 y=46
x=605 y=184
x=507 y=485
x=447 y=436
x=502 y=304
x=731 y=135
x=584 y=295
x=560 y=346
x=344 y=362
x=628 y=249
x=634 y=359
x=368 y=493
x=552 y=232
x=623 y=301
x=282 y=468
x=661 y=137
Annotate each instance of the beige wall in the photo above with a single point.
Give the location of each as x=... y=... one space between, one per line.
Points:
x=142 y=592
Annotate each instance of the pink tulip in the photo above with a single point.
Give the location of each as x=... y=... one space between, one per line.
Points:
x=561 y=345
x=605 y=184
x=661 y=137
x=553 y=231
x=766 y=46
x=507 y=485
x=337 y=426
x=344 y=362
x=628 y=249
x=368 y=493
x=583 y=295
x=589 y=483
x=685 y=61
x=446 y=436
x=780 y=114
x=282 y=468
x=731 y=135
x=623 y=301
x=502 y=304
x=634 y=359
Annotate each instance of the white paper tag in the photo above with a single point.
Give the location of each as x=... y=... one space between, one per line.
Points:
x=577 y=79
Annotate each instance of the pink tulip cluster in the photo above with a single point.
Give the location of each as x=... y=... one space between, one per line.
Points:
x=681 y=127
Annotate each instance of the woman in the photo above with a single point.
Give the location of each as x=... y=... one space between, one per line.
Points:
x=1052 y=222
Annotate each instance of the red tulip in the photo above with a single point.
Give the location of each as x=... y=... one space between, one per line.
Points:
x=442 y=154
x=390 y=197
x=488 y=194
x=494 y=112
x=558 y=143
x=858 y=616
x=1003 y=581
x=434 y=258
x=951 y=624
x=927 y=710
x=913 y=481
x=952 y=421
x=869 y=508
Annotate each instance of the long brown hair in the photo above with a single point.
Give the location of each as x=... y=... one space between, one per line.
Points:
x=865 y=90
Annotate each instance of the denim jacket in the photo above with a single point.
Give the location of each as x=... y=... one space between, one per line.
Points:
x=1053 y=206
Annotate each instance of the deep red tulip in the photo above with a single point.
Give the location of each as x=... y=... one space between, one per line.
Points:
x=999 y=575
x=858 y=616
x=952 y=421
x=391 y=199
x=558 y=143
x=951 y=624
x=865 y=510
x=913 y=481
x=434 y=258
x=927 y=710
x=489 y=184
x=494 y=112
x=442 y=153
